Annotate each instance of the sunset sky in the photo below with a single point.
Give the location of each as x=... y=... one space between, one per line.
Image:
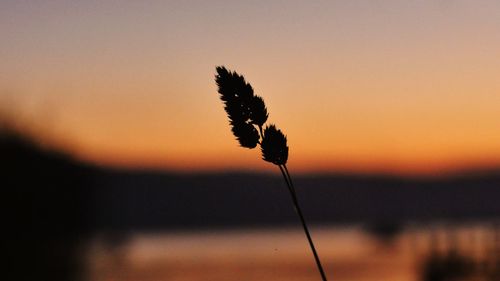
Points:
x=357 y=86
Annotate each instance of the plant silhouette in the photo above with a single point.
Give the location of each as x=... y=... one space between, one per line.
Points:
x=246 y=111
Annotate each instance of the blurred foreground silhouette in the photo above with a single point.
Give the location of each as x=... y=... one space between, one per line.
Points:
x=45 y=210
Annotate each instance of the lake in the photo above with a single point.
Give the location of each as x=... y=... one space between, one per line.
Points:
x=348 y=253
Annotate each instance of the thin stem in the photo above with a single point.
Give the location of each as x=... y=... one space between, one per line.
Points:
x=291 y=188
x=286 y=178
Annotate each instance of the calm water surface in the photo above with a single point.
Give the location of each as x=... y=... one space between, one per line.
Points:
x=347 y=253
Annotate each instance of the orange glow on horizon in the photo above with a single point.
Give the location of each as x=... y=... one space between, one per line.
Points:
x=250 y=161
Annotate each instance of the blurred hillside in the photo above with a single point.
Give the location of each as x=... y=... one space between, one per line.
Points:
x=56 y=193
x=148 y=200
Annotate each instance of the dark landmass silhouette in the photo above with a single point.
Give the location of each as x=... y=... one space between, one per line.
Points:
x=149 y=200
x=49 y=190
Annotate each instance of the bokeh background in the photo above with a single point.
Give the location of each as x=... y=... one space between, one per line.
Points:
x=118 y=162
